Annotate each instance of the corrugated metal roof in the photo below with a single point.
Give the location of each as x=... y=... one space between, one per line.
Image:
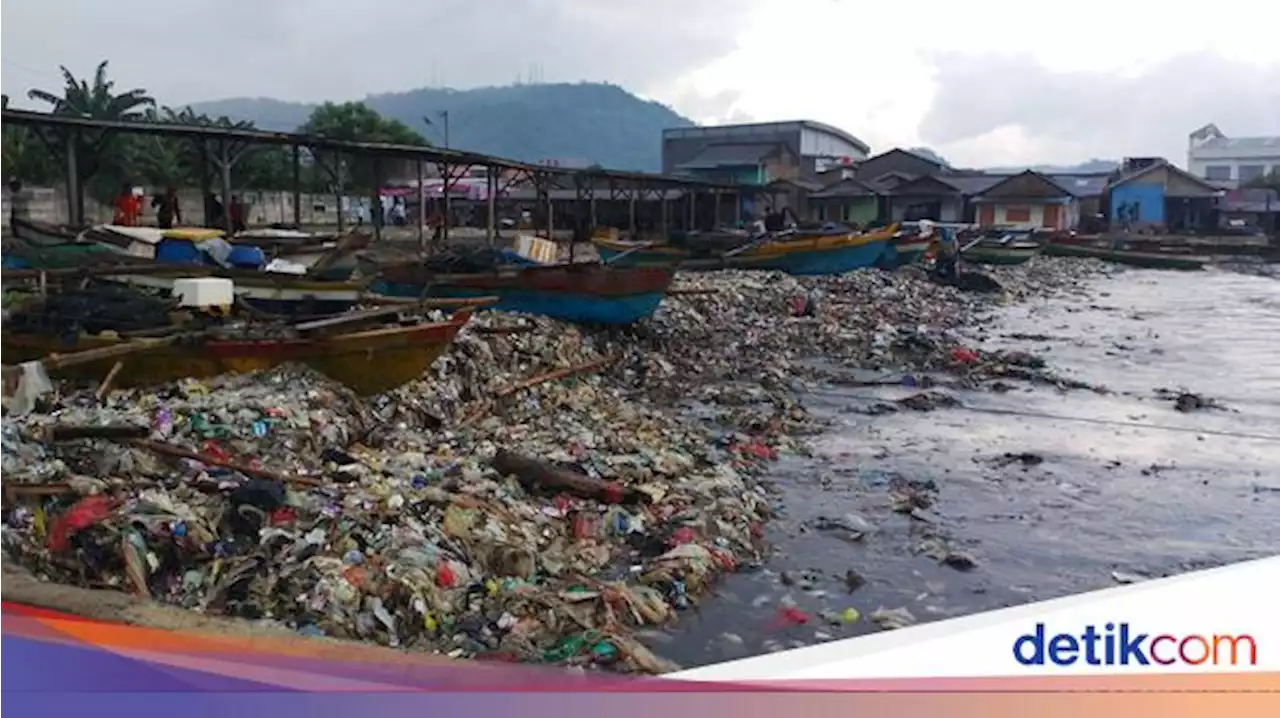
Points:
x=972 y=184
x=1241 y=143
x=844 y=188
x=1082 y=186
x=729 y=155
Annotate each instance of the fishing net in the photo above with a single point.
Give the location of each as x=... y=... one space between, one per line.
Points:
x=93 y=309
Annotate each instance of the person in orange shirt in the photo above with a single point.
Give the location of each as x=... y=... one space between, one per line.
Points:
x=128 y=208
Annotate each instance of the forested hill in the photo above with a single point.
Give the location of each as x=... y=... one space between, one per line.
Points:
x=591 y=122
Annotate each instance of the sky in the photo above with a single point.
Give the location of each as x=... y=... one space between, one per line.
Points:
x=983 y=82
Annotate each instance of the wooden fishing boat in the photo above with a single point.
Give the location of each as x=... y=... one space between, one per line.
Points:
x=1004 y=254
x=904 y=249
x=1149 y=260
x=811 y=254
x=582 y=293
x=18 y=254
x=369 y=361
x=271 y=293
x=41 y=234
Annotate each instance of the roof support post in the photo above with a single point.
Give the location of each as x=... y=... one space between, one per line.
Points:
x=692 y=194
x=447 y=171
x=491 y=197
x=340 y=190
x=422 y=214
x=551 y=211
x=75 y=203
x=375 y=204
x=297 y=186
x=632 y=210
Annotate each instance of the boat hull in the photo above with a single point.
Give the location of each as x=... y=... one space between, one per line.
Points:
x=812 y=255
x=369 y=362
x=583 y=294
x=40 y=234
x=1148 y=260
x=1000 y=256
x=275 y=294
x=901 y=254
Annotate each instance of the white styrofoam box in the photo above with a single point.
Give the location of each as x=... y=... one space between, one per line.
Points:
x=204 y=291
x=536 y=248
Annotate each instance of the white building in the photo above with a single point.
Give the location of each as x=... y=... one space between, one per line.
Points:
x=1214 y=156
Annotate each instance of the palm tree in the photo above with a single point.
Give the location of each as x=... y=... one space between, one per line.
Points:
x=92 y=148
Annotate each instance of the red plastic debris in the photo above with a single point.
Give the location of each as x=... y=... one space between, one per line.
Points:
x=585 y=526
x=445 y=577
x=683 y=535
x=85 y=513
x=283 y=515
x=790 y=616
x=561 y=502
x=964 y=355
x=211 y=449
x=758 y=449
x=613 y=493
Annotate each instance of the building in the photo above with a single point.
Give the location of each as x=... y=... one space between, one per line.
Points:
x=759 y=153
x=1212 y=155
x=1251 y=208
x=848 y=200
x=1027 y=200
x=1152 y=193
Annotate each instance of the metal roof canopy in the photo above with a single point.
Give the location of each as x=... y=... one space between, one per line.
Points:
x=381 y=149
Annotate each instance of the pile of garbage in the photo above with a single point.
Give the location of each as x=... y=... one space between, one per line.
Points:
x=547 y=534
x=538 y=496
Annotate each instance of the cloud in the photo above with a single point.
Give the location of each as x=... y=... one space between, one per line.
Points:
x=993 y=109
x=331 y=49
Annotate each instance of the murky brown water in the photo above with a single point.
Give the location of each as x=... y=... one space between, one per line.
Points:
x=1126 y=483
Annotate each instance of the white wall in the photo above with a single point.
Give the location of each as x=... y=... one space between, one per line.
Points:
x=1199 y=161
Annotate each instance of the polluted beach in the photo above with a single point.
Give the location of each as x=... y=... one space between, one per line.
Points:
x=631 y=451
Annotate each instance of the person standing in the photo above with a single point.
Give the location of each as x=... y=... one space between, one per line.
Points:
x=947 y=266
x=167 y=210
x=212 y=211
x=128 y=207
x=237 y=215
x=19 y=202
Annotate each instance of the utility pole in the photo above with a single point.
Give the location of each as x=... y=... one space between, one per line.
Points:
x=444 y=116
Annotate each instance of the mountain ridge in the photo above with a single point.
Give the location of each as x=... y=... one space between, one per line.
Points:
x=595 y=123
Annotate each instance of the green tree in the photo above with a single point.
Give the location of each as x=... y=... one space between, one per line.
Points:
x=356 y=122
x=95 y=157
x=25 y=157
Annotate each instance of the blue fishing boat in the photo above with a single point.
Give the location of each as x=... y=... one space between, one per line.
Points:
x=579 y=293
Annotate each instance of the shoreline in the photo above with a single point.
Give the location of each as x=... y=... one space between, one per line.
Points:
x=569 y=568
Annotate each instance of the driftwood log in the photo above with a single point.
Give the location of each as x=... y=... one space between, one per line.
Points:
x=68 y=432
x=178 y=452
x=535 y=473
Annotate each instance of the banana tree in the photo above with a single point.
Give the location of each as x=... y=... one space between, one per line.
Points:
x=92 y=149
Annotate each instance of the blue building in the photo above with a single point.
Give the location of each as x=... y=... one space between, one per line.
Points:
x=1156 y=194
